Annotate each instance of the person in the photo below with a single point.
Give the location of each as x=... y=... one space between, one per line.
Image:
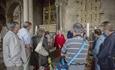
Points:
x=58 y=43
x=49 y=39
x=25 y=37
x=72 y=45
x=104 y=33
x=69 y=34
x=4 y=30
x=106 y=55
x=98 y=41
x=12 y=48
x=97 y=45
x=37 y=60
x=59 y=39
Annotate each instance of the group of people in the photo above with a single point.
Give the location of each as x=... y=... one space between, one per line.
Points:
x=19 y=47
x=104 y=47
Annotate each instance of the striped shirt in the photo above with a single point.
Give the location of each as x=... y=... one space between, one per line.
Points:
x=72 y=46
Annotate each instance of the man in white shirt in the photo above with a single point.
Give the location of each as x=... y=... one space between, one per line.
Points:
x=12 y=48
x=25 y=37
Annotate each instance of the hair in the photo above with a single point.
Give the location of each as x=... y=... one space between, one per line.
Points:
x=27 y=24
x=108 y=25
x=47 y=32
x=105 y=23
x=78 y=28
x=40 y=32
x=97 y=31
x=12 y=25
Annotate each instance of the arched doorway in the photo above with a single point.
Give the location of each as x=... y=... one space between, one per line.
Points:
x=14 y=12
x=45 y=14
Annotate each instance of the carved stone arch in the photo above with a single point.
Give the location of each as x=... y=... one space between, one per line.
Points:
x=10 y=10
x=2 y=6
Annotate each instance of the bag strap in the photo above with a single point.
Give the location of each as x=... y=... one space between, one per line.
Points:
x=78 y=53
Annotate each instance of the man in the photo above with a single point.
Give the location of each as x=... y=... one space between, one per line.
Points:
x=98 y=44
x=72 y=46
x=106 y=55
x=25 y=37
x=12 y=48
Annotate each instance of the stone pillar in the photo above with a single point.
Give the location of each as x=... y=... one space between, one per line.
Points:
x=28 y=12
x=30 y=17
x=25 y=10
x=57 y=15
x=60 y=15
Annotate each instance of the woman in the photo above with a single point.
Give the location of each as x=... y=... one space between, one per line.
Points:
x=97 y=42
x=58 y=43
x=36 y=59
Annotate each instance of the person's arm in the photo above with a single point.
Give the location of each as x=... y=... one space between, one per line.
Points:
x=27 y=41
x=45 y=44
x=64 y=49
x=105 y=51
x=12 y=51
x=97 y=46
x=6 y=51
x=24 y=38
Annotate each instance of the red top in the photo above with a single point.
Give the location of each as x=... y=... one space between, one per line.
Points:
x=59 y=40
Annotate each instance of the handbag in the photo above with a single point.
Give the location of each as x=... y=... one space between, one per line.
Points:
x=62 y=65
x=40 y=49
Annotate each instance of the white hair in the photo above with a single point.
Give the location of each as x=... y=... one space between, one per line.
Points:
x=78 y=28
x=11 y=25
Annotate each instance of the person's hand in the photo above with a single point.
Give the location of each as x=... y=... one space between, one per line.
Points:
x=59 y=46
x=62 y=54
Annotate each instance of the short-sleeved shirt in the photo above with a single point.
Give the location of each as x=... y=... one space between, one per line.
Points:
x=71 y=47
x=12 y=50
x=25 y=36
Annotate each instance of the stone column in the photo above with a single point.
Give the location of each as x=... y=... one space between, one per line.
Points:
x=60 y=16
x=25 y=10
x=57 y=15
x=31 y=14
x=28 y=12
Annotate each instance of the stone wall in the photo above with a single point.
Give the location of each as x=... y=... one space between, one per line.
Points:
x=83 y=11
x=37 y=13
x=108 y=9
